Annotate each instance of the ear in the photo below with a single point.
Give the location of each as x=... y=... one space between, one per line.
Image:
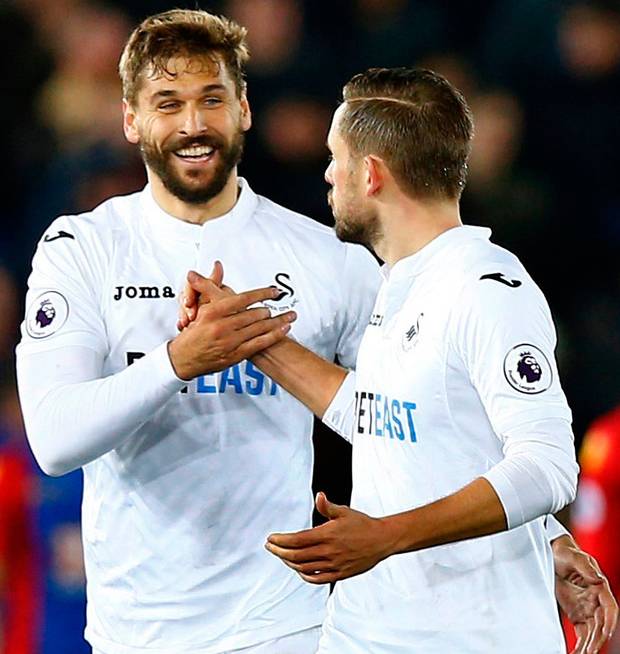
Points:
x=129 y=123
x=374 y=169
x=246 y=114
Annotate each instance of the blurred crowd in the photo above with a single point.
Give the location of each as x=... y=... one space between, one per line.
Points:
x=542 y=78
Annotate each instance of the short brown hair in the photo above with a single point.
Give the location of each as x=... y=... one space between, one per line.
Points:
x=417 y=122
x=185 y=33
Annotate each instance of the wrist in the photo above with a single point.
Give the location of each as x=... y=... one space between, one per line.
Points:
x=564 y=540
x=177 y=361
x=391 y=536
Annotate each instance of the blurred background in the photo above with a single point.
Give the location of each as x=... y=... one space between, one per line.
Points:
x=543 y=80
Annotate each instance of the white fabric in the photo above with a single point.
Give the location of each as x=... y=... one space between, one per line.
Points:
x=552 y=438
x=439 y=396
x=304 y=642
x=108 y=409
x=340 y=413
x=182 y=488
x=539 y=473
x=555 y=528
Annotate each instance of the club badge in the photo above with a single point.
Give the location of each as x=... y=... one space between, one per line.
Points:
x=410 y=337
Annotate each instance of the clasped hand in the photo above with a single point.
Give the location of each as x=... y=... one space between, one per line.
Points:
x=218 y=329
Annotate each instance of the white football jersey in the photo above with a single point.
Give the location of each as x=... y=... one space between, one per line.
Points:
x=459 y=350
x=175 y=519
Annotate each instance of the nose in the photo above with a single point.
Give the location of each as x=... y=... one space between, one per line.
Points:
x=328 y=173
x=193 y=123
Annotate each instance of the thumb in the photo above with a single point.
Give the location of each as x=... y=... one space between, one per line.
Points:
x=326 y=508
x=217 y=274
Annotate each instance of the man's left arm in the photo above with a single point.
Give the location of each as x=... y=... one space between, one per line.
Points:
x=492 y=331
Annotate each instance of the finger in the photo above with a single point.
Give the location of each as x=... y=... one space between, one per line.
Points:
x=299 y=556
x=298 y=539
x=226 y=304
x=217 y=274
x=320 y=577
x=248 y=317
x=312 y=567
x=251 y=347
x=204 y=286
x=255 y=328
x=581 y=634
x=597 y=638
x=610 y=611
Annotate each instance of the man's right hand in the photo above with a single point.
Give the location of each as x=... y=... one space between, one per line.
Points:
x=224 y=332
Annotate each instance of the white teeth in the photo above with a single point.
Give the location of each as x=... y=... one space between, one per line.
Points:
x=197 y=151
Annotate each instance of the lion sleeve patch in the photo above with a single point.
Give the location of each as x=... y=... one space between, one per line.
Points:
x=527 y=369
x=46 y=314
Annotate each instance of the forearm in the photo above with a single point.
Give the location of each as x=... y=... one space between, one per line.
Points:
x=74 y=416
x=473 y=511
x=307 y=376
x=537 y=476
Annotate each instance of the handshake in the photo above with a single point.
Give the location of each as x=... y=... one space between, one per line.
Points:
x=217 y=327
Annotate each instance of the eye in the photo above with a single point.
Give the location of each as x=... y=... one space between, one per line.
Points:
x=213 y=101
x=168 y=107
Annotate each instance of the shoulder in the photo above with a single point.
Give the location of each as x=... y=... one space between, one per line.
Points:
x=91 y=233
x=491 y=277
x=293 y=223
x=111 y=215
x=306 y=234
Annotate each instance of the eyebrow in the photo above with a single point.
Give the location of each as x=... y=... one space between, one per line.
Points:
x=168 y=93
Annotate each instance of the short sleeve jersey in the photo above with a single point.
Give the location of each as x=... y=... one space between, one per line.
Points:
x=175 y=519
x=459 y=350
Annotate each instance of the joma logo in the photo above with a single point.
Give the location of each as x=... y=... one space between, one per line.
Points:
x=143 y=292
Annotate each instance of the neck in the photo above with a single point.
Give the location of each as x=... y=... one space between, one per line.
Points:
x=197 y=214
x=408 y=225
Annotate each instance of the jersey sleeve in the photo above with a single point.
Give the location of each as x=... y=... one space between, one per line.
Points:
x=360 y=282
x=504 y=334
x=60 y=360
x=503 y=331
x=62 y=302
x=554 y=528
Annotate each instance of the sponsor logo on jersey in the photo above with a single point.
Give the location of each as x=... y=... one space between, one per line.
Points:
x=376 y=320
x=47 y=314
x=410 y=337
x=384 y=417
x=286 y=300
x=527 y=369
x=501 y=278
x=61 y=234
x=241 y=379
x=142 y=292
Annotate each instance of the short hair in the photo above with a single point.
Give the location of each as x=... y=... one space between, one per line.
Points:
x=182 y=33
x=417 y=122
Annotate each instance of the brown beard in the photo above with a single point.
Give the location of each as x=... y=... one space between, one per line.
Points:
x=363 y=228
x=159 y=161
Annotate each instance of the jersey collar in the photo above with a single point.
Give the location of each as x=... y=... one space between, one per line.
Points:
x=414 y=264
x=169 y=227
